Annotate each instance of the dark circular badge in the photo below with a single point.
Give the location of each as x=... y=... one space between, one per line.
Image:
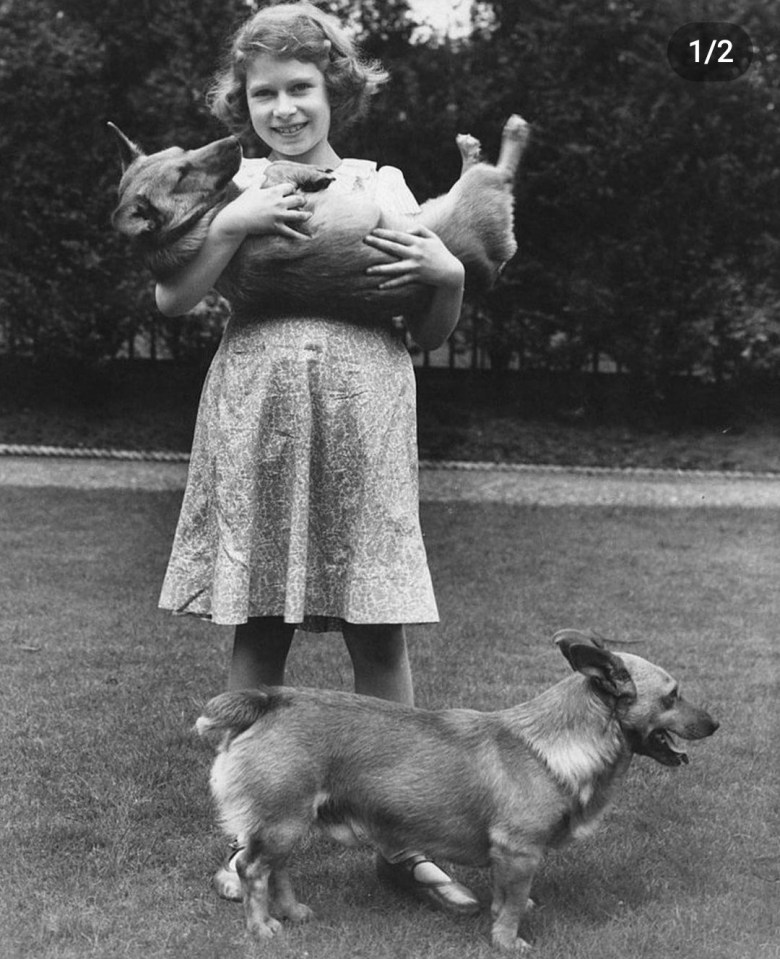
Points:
x=710 y=51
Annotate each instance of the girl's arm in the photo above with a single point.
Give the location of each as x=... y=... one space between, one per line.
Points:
x=254 y=211
x=421 y=257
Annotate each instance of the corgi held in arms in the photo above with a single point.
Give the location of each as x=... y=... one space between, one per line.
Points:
x=168 y=199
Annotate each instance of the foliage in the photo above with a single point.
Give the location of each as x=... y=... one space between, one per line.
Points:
x=68 y=286
x=647 y=207
x=649 y=218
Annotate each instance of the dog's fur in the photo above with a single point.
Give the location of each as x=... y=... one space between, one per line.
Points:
x=486 y=789
x=168 y=199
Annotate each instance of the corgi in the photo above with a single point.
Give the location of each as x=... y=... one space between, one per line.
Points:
x=493 y=789
x=168 y=199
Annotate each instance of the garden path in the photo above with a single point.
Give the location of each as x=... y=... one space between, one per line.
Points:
x=444 y=482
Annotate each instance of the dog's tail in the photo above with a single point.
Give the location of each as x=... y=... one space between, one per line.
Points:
x=230 y=714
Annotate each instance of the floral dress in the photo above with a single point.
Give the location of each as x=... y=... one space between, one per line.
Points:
x=302 y=496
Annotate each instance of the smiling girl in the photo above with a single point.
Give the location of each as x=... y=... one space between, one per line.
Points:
x=301 y=507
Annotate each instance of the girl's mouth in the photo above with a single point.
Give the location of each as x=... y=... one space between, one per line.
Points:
x=289 y=131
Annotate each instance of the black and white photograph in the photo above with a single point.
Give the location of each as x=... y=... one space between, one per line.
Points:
x=390 y=479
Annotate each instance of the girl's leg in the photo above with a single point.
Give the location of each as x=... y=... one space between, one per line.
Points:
x=260 y=649
x=380 y=661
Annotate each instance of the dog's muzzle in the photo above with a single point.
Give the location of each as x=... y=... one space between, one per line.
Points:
x=660 y=745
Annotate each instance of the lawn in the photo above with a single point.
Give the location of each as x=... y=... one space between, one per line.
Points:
x=109 y=840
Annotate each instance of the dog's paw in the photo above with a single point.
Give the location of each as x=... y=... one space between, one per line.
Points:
x=297 y=912
x=470 y=149
x=263 y=929
x=516 y=128
x=507 y=941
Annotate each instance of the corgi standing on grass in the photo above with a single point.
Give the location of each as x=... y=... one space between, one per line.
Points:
x=301 y=507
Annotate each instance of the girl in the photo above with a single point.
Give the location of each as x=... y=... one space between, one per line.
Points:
x=301 y=507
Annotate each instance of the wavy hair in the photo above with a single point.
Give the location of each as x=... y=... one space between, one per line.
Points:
x=296 y=31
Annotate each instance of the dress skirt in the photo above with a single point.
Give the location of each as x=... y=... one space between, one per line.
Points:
x=302 y=493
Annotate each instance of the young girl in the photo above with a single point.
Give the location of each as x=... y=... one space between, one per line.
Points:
x=301 y=507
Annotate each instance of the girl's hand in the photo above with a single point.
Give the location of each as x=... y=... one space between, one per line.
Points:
x=276 y=209
x=421 y=257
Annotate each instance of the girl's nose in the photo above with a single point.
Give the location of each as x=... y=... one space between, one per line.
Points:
x=284 y=107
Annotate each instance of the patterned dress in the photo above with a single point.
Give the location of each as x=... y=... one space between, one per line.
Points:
x=302 y=497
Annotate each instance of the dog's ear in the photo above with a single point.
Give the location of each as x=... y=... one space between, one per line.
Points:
x=566 y=638
x=607 y=671
x=128 y=151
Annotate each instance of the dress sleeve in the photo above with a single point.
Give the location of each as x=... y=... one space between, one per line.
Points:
x=393 y=195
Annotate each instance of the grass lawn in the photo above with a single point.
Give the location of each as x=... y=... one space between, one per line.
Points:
x=108 y=836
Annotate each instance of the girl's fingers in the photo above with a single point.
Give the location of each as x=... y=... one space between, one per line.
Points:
x=295 y=216
x=393 y=236
x=392 y=247
x=398 y=281
x=288 y=192
x=394 y=275
x=292 y=234
x=391 y=269
x=402 y=236
x=399 y=251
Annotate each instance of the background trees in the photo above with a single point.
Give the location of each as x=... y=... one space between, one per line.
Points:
x=647 y=208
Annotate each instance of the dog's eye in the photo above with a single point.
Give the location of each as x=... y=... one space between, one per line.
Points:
x=670 y=699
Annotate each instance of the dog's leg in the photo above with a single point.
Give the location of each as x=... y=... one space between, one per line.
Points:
x=499 y=896
x=470 y=151
x=254 y=871
x=265 y=881
x=284 y=898
x=513 y=873
x=514 y=140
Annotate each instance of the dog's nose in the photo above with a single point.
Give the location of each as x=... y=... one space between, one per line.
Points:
x=709 y=726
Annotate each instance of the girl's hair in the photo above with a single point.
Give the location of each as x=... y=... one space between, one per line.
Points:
x=296 y=31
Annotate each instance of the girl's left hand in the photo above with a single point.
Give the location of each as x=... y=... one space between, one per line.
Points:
x=420 y=257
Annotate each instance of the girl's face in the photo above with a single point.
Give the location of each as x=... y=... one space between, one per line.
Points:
x=289 y=109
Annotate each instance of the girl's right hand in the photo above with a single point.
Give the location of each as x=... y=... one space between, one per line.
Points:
x=272 y=211
x=276 y=209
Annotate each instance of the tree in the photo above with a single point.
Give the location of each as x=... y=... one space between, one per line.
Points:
x=68 y=286
x=639 y=187
x=647 y=215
